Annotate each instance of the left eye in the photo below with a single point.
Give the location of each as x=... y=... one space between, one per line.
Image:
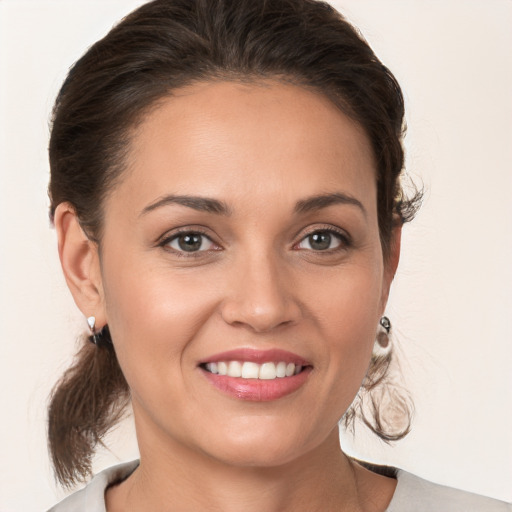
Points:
x=321 y=241
x=190 y=242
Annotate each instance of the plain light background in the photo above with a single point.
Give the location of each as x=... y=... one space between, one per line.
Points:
x=452 y=299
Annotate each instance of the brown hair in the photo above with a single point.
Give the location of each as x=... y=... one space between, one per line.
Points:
x=166 y=44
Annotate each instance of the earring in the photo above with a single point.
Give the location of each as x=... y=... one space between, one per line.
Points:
x=383 y=342
x=91 y=321
x=100 y=338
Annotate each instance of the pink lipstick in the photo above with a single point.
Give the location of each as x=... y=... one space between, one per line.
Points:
x=256 y=375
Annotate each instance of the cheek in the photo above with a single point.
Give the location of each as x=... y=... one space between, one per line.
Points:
x=154 y=314
x=154 y=318
x=349 y=304
x=347 y=313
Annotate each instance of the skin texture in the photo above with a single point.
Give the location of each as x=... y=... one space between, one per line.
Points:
x=257 y=283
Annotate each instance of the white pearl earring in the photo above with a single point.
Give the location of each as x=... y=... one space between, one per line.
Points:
x=91 y=321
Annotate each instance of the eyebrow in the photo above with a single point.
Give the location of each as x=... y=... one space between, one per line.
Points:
x=324 y=200
x=209 y=205
x=202 y=204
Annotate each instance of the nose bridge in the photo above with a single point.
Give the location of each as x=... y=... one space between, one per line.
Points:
x=260 y=293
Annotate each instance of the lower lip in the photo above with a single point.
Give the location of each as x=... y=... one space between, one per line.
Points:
x=258 y=390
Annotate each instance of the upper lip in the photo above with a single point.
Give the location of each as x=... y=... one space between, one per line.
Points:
x=257 y=356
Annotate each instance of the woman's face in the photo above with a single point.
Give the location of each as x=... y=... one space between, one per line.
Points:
x=243 y=232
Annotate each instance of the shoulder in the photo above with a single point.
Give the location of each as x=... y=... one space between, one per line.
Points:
x=92 y=497
x=425 y=496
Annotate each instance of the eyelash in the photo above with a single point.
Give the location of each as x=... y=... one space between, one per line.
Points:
x=342 y=236
x=344 y=239
x=164 y=243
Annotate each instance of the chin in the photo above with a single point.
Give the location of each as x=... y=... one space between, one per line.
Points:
x=259 y=446
x=257 y=456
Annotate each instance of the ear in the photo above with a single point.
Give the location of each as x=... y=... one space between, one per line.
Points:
x=391 y=262
x=80 y=263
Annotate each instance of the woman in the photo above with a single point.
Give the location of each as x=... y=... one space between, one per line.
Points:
x=225 y=189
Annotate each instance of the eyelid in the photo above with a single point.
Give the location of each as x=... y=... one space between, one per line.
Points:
x=329 y=228
x=164 y=240
x=171 y=235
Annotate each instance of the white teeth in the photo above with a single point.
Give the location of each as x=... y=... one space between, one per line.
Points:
x=222 y=367
x=234 y=369
x=212 y=367
x=250 y=370
x=281 y=369
x=267 y=371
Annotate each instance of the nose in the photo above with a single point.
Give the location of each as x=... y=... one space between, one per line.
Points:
x=260 y=296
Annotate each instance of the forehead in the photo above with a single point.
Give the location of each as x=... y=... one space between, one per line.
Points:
x=241 y=141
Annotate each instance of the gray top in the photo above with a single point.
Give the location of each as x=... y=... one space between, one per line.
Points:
x=412 y=494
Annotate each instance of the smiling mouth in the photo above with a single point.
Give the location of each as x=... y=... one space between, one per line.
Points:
x=256 y=375
x=251 y=370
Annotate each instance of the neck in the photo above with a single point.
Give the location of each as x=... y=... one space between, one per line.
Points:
x=324 y=479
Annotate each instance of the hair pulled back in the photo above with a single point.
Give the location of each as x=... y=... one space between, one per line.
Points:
x=167 y=44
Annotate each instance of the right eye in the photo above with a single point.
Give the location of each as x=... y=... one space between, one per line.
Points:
x=190 y=241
